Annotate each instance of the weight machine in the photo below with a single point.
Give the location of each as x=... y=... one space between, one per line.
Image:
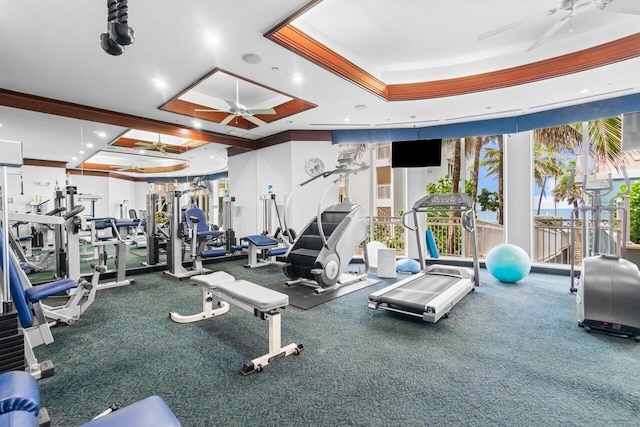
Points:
x=194 y=230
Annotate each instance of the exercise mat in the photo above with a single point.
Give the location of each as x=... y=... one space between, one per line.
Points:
x=305 y=297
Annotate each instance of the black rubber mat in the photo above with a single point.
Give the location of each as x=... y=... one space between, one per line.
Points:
x=305 y=297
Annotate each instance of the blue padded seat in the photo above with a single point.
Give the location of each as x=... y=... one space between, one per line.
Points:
x=202 y=228
x=24 y=238
x=149 y=412
x=19 y=419
x=260 y=240
x=19 y=392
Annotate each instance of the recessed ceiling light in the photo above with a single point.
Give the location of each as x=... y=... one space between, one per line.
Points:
x=196 y=124
x=81 y=152
x=213 y=40
x=584 y=91
x=297 y=78
x=74 y=158
x=90 y=145
x=361 y=107
x=0 y=125
x=346 y=119
x=159 y=83
x=252 y=58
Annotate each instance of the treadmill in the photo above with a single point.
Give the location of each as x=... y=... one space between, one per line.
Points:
x=432 y=293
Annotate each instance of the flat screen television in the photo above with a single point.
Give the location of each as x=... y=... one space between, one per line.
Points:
x=416 y=154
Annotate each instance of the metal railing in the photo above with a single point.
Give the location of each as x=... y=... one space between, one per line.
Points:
x=446 y=232
x=552 y=237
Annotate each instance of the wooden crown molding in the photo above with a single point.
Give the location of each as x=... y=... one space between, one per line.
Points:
x=302 y=44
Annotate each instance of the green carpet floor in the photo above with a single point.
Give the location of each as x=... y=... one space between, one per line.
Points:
x=509 y=355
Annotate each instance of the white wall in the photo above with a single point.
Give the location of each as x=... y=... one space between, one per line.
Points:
x=36 y=181
x=40 y=182
x=282 y=167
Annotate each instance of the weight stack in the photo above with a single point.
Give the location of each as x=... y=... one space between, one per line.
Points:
x=11 y=344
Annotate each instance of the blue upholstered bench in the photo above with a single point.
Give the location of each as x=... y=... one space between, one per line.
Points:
x=20 y=406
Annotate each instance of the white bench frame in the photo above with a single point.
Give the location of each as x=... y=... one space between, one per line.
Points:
x=221 y=285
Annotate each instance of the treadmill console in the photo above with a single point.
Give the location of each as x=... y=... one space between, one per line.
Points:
x=461 y=200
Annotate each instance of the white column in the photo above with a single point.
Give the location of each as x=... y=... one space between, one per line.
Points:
x=415 y=188
x=518 y=190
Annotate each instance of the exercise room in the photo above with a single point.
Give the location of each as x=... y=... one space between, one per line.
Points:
x=319 y=213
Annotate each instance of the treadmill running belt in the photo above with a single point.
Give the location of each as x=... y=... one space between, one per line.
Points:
x=416 y=294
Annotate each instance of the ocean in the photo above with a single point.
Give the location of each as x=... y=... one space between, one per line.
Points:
x=489 y=216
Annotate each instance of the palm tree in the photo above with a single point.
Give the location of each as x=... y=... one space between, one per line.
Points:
x=493 y=160
x=605 y=137
x=546 y=163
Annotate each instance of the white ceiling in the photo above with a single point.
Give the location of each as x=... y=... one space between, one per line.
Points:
x=51 y=49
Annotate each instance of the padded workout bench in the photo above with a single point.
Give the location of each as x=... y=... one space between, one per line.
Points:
x=20 y=407
x=262 y=302
x=266 y=246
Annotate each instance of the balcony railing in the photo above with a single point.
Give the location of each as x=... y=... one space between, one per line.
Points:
x=552 y=237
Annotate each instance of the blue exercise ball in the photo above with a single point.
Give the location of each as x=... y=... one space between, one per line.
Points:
x=508 y=263
x=408 y=265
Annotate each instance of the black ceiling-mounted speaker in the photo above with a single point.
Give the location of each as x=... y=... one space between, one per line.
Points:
x=109 y=46
x=118 y=34
x=118 y=28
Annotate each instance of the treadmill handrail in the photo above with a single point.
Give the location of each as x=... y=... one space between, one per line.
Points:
x=404 y=222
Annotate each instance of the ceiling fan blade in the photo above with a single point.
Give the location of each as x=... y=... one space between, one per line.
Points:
x=143 y=144
x=256 y=121
x=227 y=119
x=234 y=105
x=514 y=24
x=550 y=32
x=262 y=111
x=209 y=110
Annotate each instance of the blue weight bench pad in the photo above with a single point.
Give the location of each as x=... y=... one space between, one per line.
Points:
x=149 y=412
x=260 y=240
x=19 y=419
x=19 y=392
x=213 y=253
x=277 y=251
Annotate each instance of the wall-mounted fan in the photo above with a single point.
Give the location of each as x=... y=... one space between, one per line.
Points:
x=157 y=146
x=563 y=15
x=238 y=110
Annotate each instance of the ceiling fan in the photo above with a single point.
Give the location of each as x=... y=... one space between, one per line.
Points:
x=569 y=9
x=157 y=146
x=238 y=110
x=131 y=168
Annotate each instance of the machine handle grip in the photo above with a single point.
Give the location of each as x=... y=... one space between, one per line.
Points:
x=404 y=222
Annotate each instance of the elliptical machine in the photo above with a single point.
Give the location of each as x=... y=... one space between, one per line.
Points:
x=608 y=291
